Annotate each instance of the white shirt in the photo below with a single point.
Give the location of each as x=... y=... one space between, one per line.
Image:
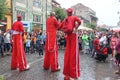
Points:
x=103 y=40
x=7 y=38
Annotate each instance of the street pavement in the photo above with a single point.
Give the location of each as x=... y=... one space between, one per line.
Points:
x=90 y=69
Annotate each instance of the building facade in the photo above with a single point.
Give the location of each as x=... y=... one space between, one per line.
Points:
x=55 y=5
x=86 y=14
x=7 y=22
x=33 y=13
x=47 y=8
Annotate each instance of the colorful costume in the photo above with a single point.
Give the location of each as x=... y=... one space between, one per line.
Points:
x=51 y=47
x=72 y=55
x=18 y=54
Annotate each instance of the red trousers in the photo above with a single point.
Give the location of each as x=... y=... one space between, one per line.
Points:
x=51 y=58
x=72 y=57
x=18 y=54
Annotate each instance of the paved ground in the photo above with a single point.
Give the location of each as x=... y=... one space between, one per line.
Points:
x=90 y=69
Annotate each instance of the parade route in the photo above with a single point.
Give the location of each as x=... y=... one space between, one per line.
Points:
x=90 y=69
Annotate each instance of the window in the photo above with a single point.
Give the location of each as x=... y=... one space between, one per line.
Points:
x=36 y=18
x=22 y=13
x=37 y=3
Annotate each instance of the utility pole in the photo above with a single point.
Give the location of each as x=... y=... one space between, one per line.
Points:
x=46 y=9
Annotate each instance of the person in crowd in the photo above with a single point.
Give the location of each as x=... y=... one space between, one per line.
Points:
x=39 y=43
x=1 y=44
x=109 y=35
x=85 y=40
x=51 y=46
x=113 y=43
x=62 y=41
x=91 y=38
x=80 y=41
x=7 y=39
x=96 y=46
x=18 y=55
x=117 y=56
x=33 y=43
x=103 y=39
x=71 y=58
x=28 y=41
x=44 y=38
x=25 y=38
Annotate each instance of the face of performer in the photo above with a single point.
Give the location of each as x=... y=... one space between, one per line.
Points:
x=19 y=17
x=69 y=14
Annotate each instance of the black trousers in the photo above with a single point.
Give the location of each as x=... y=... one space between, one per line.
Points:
x=101 y=57
x=1 y=49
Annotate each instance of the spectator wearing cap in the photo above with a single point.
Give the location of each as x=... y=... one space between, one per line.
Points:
x=18 y=54
x=71 y=57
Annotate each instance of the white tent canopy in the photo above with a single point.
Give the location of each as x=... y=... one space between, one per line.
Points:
x=115 y=28
x=84 y=28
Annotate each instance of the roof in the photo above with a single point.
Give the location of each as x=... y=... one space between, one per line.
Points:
x=55 y=2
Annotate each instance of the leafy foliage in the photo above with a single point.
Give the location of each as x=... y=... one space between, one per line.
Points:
x=3 y=9
x=92 y=25
x=60 y=13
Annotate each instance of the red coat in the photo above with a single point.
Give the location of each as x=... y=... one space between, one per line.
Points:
x=51 y=47
x=18 y=55
x=105 y=51
x=96 y=44
x=51 y=29
x=69 y=23
x=52 y=24
x=18 y=26
x=72 y=54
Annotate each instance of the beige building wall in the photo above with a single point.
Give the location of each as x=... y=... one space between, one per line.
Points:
x=9 y=15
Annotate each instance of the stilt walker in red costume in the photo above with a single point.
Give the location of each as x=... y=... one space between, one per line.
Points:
x=72 y=54
x=51 y=46
x=18 y=54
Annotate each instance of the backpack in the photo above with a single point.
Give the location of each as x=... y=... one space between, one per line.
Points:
x=67 y=26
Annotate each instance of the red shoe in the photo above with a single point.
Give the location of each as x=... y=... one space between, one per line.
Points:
x=66 y=78
x=56 y=70
x=27 y=68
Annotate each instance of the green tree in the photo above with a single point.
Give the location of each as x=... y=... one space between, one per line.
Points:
x=3 y=9
x=60 y=13
x=92 y=25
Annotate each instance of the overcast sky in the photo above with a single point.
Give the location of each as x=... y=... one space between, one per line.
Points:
x=106 y=10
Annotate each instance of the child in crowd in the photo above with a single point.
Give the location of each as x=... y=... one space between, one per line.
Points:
x=28 y=41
